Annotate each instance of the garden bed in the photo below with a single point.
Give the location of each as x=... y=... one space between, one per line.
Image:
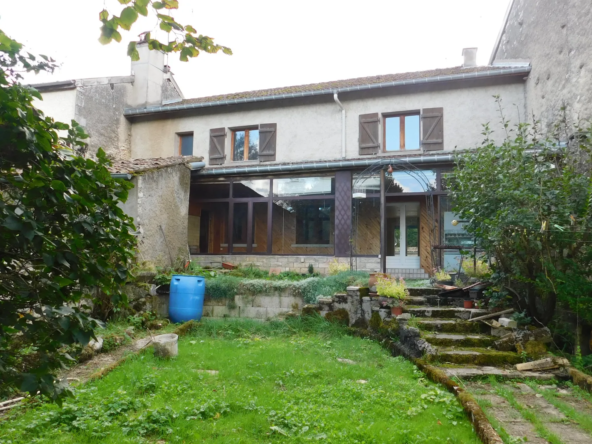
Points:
x=294 y=381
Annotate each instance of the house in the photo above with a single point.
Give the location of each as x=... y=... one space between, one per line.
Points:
x=352 y=170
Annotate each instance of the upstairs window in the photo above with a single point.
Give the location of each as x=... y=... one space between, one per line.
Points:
x=245 y=144
x=186 y=144
x=401 y=132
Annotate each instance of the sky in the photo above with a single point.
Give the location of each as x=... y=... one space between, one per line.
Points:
x=275 y=43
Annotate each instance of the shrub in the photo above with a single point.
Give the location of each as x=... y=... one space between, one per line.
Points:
x=336 y=267
x=391 y=288
x=442 y=275
x=476 y=269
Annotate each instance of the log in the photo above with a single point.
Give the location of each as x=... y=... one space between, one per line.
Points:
x=10 y=401
x=543 y=364
x=492 y=315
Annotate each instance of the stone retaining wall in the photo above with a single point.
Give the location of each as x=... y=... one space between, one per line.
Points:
x=254 y=307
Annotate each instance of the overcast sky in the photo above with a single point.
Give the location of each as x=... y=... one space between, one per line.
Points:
x=275 y=43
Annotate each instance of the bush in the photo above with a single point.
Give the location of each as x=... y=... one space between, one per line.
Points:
x=391 y=288
x=336 y=267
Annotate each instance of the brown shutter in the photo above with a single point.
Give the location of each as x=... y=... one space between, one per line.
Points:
x=267 y=141
x=217 y=139
x=369 y=128
x=432 y=134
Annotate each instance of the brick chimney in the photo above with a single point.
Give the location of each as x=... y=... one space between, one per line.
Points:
x=469 y=57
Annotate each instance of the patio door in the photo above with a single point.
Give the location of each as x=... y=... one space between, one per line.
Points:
x=402 y=235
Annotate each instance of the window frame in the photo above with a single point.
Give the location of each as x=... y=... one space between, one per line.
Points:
x=180 y=142
x=401 y=116
x=247 y=130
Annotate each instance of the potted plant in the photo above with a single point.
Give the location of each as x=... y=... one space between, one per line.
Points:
x=395 y=291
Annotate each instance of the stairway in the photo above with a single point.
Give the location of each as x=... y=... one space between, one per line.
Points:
x=463 y=349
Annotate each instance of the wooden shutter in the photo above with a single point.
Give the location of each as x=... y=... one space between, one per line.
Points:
x=217 y=139
x=369 y=129
x=432 y=133
x=267 y=142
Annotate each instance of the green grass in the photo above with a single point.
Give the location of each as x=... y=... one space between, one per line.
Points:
x=277 y=382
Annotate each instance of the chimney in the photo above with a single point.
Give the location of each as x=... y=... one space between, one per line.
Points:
x=149 y=73
x=469 y=57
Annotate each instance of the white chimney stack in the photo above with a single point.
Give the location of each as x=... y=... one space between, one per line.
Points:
x=469 y=57
x=149 y=78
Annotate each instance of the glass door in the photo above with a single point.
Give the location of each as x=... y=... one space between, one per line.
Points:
x=402 y=235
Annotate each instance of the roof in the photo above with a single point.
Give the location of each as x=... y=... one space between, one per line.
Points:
x=501 y=32
x=337 y=86
x=131 y=166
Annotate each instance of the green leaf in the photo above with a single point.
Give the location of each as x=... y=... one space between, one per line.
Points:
x=142 y=10
x=158 y=5
x=12 y=223
x=48 y=259
x=190 y=29
x=185 y=54
x=62 y=281
x=116 y=36
x=165 y=27
x=29 y=383
x=171 y=4
x=132 y=51
x=128 y=17
x=103 y=15
x=58 y=185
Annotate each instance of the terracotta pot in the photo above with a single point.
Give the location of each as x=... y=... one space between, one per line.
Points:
x=397 y=311
x=468 y=304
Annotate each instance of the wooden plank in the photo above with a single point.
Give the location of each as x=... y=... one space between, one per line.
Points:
x=492 y=315
x=543 y=364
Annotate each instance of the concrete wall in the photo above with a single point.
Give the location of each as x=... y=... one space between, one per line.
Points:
x=162 y=201
x=311 y=130
x=557 y=38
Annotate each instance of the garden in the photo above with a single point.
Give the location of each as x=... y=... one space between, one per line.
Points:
x=299 y=380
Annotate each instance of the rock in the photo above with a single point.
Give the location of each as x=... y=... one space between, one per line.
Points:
x=340 y=316
x=404 y=317
x=130 y=332
x=535 y=349
x=525 y=389
x=346 y=361
x=543 y=364
x=509 y=323
x=362 y=381
x=310 y=310
x=275 y=271
x=96 y=345
x=499 y=332
x=324 y=301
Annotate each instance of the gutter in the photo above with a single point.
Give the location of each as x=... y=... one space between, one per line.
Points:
x=124 y=176
x=336 y=98
x=54 y=86
x=136 y=112
x=329 y=165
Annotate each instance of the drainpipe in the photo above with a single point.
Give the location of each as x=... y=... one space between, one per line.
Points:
x=336 y=98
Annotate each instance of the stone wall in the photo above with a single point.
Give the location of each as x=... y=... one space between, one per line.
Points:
x=555 y=36
x=261 y=307
x=161 y=214
x=298 y=264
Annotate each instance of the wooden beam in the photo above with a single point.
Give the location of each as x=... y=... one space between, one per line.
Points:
x=492 y=315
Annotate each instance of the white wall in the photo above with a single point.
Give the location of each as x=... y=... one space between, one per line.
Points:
x=313 y=132
x=61 y=105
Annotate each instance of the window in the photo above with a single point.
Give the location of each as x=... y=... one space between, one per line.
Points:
x=401 y=132
x=186 y=144
x=245 y=144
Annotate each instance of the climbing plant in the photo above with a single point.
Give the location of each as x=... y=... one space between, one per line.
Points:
x=528 y=200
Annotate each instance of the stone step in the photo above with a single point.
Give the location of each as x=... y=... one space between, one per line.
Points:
x=476 y=356
x=432 y=301
x=459 y=340
x=445 y=312
x=477 y=372
x=450 y=325
x=426 y=291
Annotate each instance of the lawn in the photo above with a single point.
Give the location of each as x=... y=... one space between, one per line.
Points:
x=247 y=382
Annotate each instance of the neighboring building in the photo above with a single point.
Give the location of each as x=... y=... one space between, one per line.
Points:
x=556 y=37
x=352 y=169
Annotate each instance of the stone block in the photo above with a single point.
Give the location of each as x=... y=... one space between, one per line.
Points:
x=509 y=323
x=253 y=312
x=289 y=302
x=223 y=312
x=276 y=312
x=208 y=311
x=243 y=301
x=266 y=301
x=499 y=332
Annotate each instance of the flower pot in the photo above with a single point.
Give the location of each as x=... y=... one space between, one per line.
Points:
x=396 y=311
x=468 y=304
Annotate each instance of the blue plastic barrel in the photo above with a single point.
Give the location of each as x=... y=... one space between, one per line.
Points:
x=186 y=298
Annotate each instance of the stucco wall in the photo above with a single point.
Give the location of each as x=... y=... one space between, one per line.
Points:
x=61 y=105
x=99 y=108
x=312 y=131
x=557 y=38
x=163 y=201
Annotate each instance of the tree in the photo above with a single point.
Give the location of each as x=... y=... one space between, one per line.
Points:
x=184 y=41
x=529 y=203
x=62 y=233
